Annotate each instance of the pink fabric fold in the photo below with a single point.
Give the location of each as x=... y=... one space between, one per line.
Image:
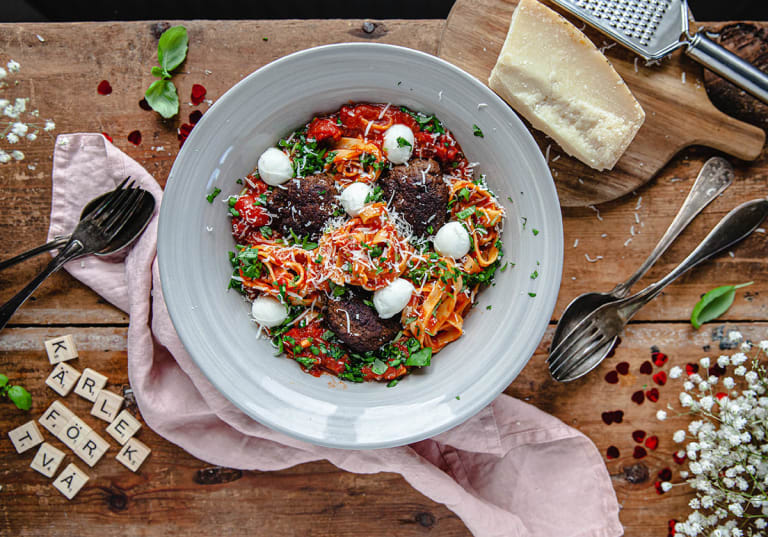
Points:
x=509 y=471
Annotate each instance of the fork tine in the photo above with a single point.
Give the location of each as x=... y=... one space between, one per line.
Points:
x=573 y=337
x=115 y=204
x=109 y=199
x=126 y=215
x=117 y=215
x=577 y=358
x=583 y=342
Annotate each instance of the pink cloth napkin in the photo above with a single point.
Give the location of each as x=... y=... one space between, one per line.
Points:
x=511 y=470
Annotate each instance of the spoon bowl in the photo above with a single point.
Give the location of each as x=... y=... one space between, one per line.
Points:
x=131 y=231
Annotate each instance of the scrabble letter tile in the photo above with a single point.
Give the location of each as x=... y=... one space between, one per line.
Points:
x=62 y=379
x=107 y=406
x=47 y=460
x=70 y=481
x=90 y=384
x=74 y=433
x=61 y=349
x=56 y=417
x=132 y=454
x=25 y=437
x=92 y=448
x=124 y=427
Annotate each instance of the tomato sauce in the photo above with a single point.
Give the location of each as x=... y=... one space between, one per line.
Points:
x=309 y=338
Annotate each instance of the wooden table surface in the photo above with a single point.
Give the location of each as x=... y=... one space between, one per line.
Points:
x=176 y=493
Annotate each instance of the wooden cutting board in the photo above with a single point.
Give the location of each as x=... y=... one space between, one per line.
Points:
x=678 y=111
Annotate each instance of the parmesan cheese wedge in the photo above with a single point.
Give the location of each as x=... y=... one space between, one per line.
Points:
x=559 y=81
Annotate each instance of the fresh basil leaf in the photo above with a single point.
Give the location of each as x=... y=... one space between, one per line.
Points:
x=162 y=97
x=420 y=358
x=714 y=303
x=157 y=71
x=378 y=367
x=172 y=48
x=3 y=381
x=20 y=397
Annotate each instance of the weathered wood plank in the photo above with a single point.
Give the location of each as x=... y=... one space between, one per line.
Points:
x=317 y=499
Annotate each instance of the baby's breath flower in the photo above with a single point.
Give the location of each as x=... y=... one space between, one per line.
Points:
x=661 y=415
x=739 y=358
x=666 y=486
x=740 y=371
x=4 y=157
x=19 y=129
x=746 y=346
x=723 y=361
x=12 y=138
x=675 y=372
x=32 y=136
x=13 y=66
x=704 y=362
x=729 y=383
x=17 y=155
x=734 y=336
x=688 y=385
x=49 y=126
x=679 y=436
x=3 y=74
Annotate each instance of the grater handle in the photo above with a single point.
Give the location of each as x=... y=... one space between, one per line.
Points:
x=728 y=65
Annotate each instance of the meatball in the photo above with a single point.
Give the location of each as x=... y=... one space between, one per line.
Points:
x=367 y=331
x=418 y=193
x=304 y=205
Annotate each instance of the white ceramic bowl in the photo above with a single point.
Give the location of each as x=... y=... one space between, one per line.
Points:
x=214 y=324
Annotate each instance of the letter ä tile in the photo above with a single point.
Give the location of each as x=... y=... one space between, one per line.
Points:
x=47 y=460
x=70 y=481
x=56 y=418
x=25 y=437
x=133 y=454
x=61 y=349
x=91 y=383
x=107 y=406
x=62 y=379
x=124 y=427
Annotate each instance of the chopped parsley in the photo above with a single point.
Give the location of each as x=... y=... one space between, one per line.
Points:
x=531 y=294
x=402 y=142
x=212 y=196
x=427 y=123
x=535 y=232
x=375 y=195
x=534 y=274
x=477 y=132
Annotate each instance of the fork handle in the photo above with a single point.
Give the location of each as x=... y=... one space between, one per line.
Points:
x=55 y=244
x=714 y=177
x=728 y=65
x=734 y=227
x=73 y=249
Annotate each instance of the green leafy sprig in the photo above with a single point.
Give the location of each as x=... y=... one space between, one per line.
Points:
x=18 y=395
x=171 y=52
x=714 y=303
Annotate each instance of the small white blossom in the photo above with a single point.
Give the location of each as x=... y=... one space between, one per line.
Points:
x=686 y=400
x=751 y=377
x=704 y=362
x=666 y=486
x=12 y=138
x=729 y=383
x=3 y=74
x=4 y=157
x=734 y=336
x=763 y=345
x=19 y=129
x=746 y=346
x=679 y=436
x=675 y=372
x=17 y=155
x=49 y=126
x=688 y=385
x=723 y=361
x=740 y=371
x=13 y=66
x=32 y=136
x=661 y=415
x=739 y=358
x=707 y=402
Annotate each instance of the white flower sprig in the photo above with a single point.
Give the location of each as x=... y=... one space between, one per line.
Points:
x=726 y=446
x=16 y=128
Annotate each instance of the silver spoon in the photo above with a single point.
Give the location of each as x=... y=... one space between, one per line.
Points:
x=124 y=214
x=714 y=177
x=121 y=241
x=577 y=350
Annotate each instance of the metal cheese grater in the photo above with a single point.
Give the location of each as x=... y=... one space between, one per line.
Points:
x=654 y=28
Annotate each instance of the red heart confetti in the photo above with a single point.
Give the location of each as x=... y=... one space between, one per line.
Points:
x=144 y=105
x=717 y=370
x=135 y=137
x=639 y=452
x=195 y=116
x=612 y=377
x=198 y=94
x=659 y=490
x=107 y=136
x=652 y=395
x=720 y=395
x=616 y=416
x=691 y=369
x=104 y=88
x=652 y=442
x=184 y=131
x=660 y=378
x=638 y=436
x=638 y=397
x=612 y=352
x=646 y=368
x=659 y=358
x=622 y=368
x=612 y=452
x=665 y=474
x=671 y=528
x=679 y=457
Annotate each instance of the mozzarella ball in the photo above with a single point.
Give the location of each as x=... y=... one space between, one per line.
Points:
x=268 y=312
x=452 y=240
x=398 y=152
x=391 y=299
x=275 y=167
x=353 y=198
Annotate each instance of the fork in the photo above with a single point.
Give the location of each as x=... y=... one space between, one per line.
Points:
x=607 y=321
x=92 y=234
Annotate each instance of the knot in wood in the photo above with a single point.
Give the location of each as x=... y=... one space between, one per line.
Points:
x=215 y=475
x=425 y=519
x=637 y=473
